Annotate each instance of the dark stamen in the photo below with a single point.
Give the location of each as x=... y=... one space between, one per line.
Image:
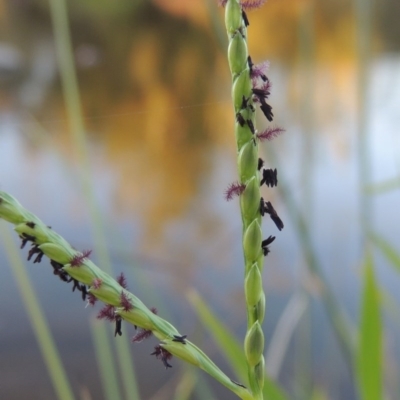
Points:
x=118 y=326
x=269 y=209
x=180 y=339
x=163 y=355
x=245 y=19
x=270 y=177
x=240 y=119
x=251 y=126
x=267 y=110
x=35 y=250
x=265 y=243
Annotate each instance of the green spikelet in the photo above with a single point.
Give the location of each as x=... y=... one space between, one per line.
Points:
x=103 y=287
x=250 y=198
x=254 y=344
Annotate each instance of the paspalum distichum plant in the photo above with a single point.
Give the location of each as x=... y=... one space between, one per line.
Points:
x=250 y=90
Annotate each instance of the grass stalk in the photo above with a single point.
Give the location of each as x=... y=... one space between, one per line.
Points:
x=108 y=374
x=73 y=266
x=250 y=87
x=36 y=316
x=126 y=367
x=344 y=330
x=363 y=15
x=59 y=15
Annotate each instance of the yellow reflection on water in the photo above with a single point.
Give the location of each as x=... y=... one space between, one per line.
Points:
x=158 y=101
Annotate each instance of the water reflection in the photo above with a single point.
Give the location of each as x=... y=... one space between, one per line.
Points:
x=155 y=93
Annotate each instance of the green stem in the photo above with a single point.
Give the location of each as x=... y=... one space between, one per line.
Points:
x=247 y=151
x=104 y=360
x=42 y=331
x=59 y=15
x=66 y=260
x=343 y=328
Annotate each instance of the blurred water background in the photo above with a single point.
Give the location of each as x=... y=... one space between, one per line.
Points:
x=159 y=149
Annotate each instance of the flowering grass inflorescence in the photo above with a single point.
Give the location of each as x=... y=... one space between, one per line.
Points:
x=251 y=87
x=73 y=266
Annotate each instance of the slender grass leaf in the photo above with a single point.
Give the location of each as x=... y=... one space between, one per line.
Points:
x=124 y=359
x=383 y=187
x=69 y=81
x=283 y=332
x=272 y=391
x=319 y=394
x=369 y=357
x=387 y=250
x=230 y=346
x=105 y=360
x=186 y=385
x=203 y=389
x=42 y=332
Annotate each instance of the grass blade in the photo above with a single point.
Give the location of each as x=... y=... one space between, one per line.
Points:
x=387 y=250
x=369 y=358
x=35 y=314
x=280 y=340
x=230 y=346
x=203 y=389
x=186 y=385
x=383 y=187
x=105 y=360
x=126 y=366
x=65 y=55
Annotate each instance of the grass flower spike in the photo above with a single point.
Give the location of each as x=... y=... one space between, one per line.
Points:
x=251 y=87
x=73 y=266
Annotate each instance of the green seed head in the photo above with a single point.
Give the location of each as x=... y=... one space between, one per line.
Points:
x=109 y=291
x=250 y=199
x=252 y=242
x=10 y=209
x=254 y=344
x=186 y=352
x=243 y=134
x=137 y=316
x=248 y=161
x=253 y=286
x=37 y=230
x=241 y=87
x=259 y=370
x=85 y=272
x=260 y=308
x=164 y=327
x=233 y=16
x=60 y=254
x=237 y=54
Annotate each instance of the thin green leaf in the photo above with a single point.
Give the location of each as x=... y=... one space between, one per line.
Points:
x=272 y=391
x=387 y=250
x=369 y=358
x=69 y=82
x=383 y=187
x=46 y=343
x=319 y=394
x=203 y=389
x=186 y=385
x=230 y=346
x=105 y=360
x=125 y=362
